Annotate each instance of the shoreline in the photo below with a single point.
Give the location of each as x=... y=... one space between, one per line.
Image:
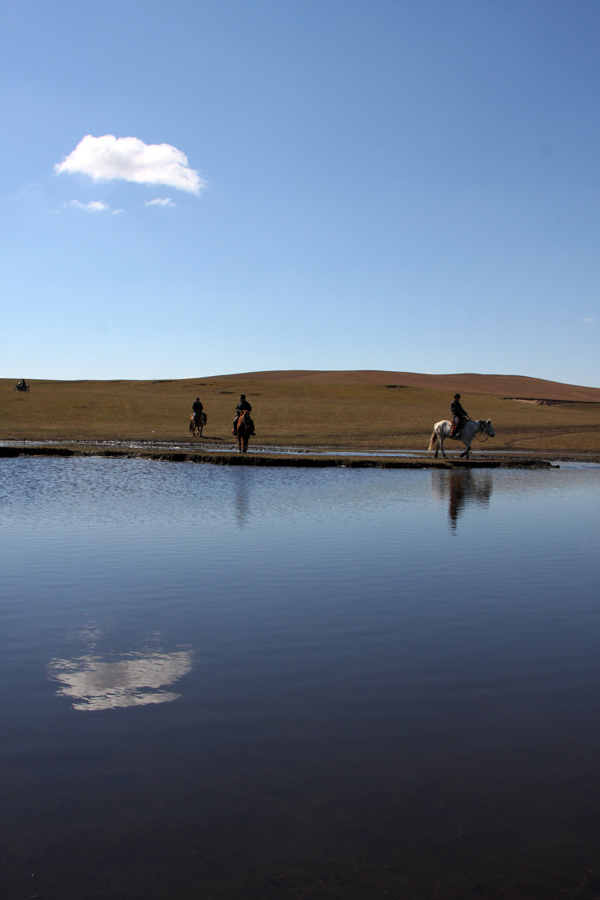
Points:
x=298 y=458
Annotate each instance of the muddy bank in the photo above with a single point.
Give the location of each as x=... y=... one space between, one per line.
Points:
x=303 y=460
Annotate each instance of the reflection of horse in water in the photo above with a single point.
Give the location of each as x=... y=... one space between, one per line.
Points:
x=244 y=430
x=441 y=431
x=462 y=488
x=242 y=486
x=197 y=423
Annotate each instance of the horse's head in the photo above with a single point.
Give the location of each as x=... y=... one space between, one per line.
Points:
x=488 y=428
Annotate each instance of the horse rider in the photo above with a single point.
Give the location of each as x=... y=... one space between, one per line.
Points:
x=22 y=385
x=243 y=406
x=197 y=407
x=459 y=416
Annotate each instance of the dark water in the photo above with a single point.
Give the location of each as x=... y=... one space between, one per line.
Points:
x=298 y=683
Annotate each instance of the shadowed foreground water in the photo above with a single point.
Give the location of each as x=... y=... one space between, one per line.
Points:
x=296 y=683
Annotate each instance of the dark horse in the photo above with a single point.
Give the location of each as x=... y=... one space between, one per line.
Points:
x=245 y=430
x=197 y=423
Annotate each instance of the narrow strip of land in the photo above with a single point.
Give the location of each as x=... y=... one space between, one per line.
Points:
x=299 y=460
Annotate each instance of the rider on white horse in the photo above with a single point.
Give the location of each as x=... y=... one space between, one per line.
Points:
x=458 y=415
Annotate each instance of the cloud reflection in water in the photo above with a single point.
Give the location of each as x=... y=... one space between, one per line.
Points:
x=133 y=680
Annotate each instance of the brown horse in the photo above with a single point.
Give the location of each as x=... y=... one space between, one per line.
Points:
x=245 y=430
x=197 y=424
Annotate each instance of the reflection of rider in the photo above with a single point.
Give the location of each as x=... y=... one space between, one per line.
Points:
x=458 y=415
x=197 y=407
x=459 y=481
x=243 y=406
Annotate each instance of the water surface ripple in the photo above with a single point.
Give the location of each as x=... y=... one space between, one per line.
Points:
x=222 y=682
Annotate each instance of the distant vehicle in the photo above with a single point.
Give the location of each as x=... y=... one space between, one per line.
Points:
x=21 y=386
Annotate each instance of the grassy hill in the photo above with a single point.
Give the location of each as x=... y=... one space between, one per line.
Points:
x=356 y=410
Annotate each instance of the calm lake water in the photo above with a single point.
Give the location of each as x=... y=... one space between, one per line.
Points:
x=270 y=683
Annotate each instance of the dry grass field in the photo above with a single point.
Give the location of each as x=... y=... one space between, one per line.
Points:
x=336 y=410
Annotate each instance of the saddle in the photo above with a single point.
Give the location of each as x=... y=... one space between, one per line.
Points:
x=457 y=428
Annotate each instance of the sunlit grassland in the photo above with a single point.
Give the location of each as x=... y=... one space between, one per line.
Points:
x=286 y=412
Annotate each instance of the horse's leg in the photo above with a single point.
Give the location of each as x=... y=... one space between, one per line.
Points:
x=441 y=446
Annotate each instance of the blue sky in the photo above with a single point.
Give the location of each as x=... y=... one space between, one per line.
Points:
x=343 y=185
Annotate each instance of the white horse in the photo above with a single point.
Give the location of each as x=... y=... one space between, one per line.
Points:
x=441 y=431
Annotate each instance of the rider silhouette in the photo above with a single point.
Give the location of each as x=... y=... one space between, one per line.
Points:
x=458 y=415
x=197 y=407
x=242 y=406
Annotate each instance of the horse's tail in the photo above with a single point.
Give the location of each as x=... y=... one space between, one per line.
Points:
x=433 y=441
x=192 y=422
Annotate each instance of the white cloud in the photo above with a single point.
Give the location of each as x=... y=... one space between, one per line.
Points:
x=92 y=206
x=589 y=321
x=165 y=201
x=134 y=679
x=130 y=159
